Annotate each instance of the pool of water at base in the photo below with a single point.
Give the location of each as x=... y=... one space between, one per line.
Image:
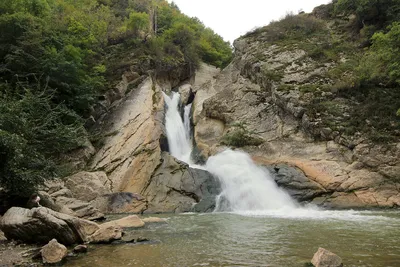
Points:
x=360 y=238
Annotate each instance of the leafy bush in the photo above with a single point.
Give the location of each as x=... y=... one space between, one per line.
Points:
x=240 y=136
x=138 y=21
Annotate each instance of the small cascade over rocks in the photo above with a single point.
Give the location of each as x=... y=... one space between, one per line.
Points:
x=245 y=186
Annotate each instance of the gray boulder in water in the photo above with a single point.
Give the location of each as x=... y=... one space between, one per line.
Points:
x=40 y=225
x=175 y=187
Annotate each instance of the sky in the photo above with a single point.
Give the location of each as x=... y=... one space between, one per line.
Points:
x=233 y=18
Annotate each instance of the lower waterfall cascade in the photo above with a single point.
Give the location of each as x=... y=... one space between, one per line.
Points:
x=245 y=186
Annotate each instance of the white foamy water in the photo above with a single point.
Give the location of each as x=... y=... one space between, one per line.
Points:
x=247 y=189
x=246 y=186
x=179 y=142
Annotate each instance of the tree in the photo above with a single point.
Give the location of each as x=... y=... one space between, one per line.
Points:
x=138 y=22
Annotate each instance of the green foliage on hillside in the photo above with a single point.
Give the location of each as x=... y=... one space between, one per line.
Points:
x=55 y=63
x=379 y=13
x=291 y=27
x=357 y=42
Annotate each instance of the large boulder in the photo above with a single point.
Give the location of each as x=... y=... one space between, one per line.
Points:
x=132 y=221
x=175 y=187
x=53 y=252
x=81 y=209
x=87 y=186
x=106 y=235
x=325 y=258
x=58 y=197
x=40 y=225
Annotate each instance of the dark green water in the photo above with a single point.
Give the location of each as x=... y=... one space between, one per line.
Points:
x=360 y=238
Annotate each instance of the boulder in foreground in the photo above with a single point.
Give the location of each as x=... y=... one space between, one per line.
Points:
x=106 y=235
x=325 y=258
x=40 y=225
x=53 y=252
x=132 y=221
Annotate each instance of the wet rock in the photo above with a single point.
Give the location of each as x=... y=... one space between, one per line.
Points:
x=40 y=225
x=325 y=258
x=106 y=235
x=293 y=180
x=142 y=239
x=53 y=252
x=132 y=221
x=81 y=249
x=129 y=238
x=175 y=187
x=186 y=93
x=154 y=220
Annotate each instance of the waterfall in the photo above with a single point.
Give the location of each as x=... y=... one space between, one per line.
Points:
x=245 y=186
x=178 y=133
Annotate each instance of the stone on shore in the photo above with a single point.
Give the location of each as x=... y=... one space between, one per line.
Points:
x=132 y=221
x=325 y=258
x=106 y=235
x=53 y=252
x=80 y=249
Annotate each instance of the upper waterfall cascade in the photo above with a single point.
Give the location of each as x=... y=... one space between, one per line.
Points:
x=245 y=186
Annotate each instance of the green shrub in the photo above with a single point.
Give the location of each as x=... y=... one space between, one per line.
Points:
x=138 y=21
x=240 y=136
x=272 y=75
x=380 y=65
x=290 y=27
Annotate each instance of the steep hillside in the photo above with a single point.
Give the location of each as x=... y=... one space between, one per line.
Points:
x=306 y=91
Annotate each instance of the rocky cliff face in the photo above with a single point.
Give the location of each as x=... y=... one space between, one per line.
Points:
x=141 y=177
x=260 y=103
